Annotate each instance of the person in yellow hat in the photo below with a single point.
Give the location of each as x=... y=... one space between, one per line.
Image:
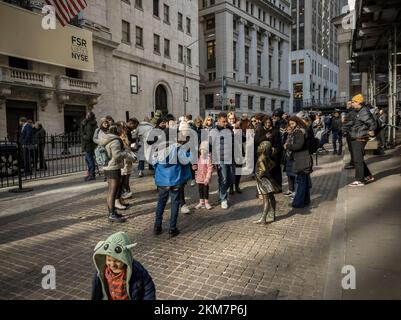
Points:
x=361 y=131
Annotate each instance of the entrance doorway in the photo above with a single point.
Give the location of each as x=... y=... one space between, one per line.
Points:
x=161 y=99
x=15 y=109
x=73 y=116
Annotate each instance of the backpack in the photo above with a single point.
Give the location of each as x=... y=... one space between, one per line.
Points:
x=379 y=126
x=101 y=156
x=313 y=144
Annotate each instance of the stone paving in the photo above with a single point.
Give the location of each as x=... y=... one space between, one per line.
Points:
x=220 y=254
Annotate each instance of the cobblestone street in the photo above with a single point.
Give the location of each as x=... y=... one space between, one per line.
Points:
x=219 y=254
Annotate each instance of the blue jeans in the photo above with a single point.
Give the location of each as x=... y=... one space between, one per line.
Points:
x=164 y=192
x=225 y=173
x=337 y=136
x=302 y=191
x=141 y=165
x=90 y=162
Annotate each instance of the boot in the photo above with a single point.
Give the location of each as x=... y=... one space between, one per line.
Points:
x=231 y=189
x=115 y=217
x=266 y=207
x=238 y=189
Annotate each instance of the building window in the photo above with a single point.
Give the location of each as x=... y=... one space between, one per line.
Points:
x=262 y=104
x=167 y=48
x=246 y=59
x=212 y=2
x=180 y=53
x=138 y=4
x=294 y=67
x=251 y=8
x=188 y=25
x=139 y=36
x=247 y=6
x=264 y=16
x=282 y=105
x=156 y=44
x=301 y=66
x=166 y=13
x=189 y=57
x=259 y=64
x=210 y=24
x=180 y=23
x=209 y=101
x=156 y=8
x=212 y=76
x=250 y=102
x=273 y=104
x=126 y=36
x=237 y=100
x=247 y=31
x=211 y=54
x=259 y=14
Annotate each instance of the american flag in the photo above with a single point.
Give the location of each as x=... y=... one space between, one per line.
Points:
x=67 y=9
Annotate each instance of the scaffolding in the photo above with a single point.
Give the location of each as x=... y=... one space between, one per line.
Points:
x=374 y=49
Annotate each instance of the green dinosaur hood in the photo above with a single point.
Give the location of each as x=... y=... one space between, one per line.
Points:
x=117 y=246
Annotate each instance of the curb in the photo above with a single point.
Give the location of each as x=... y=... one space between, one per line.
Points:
x=338 y=238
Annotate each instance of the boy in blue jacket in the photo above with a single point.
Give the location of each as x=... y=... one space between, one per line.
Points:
x=171 y=172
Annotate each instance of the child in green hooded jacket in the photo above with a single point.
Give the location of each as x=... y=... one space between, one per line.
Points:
x=119 y=276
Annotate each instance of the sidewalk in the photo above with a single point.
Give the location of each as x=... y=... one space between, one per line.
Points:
x=367 y=232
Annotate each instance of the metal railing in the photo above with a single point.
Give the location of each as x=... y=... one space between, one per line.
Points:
x=50 y=155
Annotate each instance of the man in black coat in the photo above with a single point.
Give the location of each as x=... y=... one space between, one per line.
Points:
x=88 y=128
x=348 y=122
x=336 y=129
x=362 y=129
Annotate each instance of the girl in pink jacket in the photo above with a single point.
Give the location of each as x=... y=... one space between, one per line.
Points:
x=204 y=170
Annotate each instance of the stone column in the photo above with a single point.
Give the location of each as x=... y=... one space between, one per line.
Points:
x=224 y=45
x=265 y=60
x=253 y=57
x=241 y=51
x=285 y=61
x=275 y=63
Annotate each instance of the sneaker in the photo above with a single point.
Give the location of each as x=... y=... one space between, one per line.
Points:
x=224 y=204
x=349 y=166
x=356 y=184
x=288 y=193
x=140 y=174
x=208 y=206
x=200 y=206
x=185 y=209
x=369 y=179
x=193 y=183
x=113 y=217
x=126 y=195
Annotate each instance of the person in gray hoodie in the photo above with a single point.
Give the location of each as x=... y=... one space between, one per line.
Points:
x=116 y=153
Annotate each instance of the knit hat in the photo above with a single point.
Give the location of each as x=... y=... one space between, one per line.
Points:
x=358 y=98
x=117 y=246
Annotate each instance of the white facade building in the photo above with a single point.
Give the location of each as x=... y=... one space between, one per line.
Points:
x=314 y=57
x=244 y=55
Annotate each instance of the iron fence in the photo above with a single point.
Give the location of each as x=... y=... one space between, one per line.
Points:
x=51 y=155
